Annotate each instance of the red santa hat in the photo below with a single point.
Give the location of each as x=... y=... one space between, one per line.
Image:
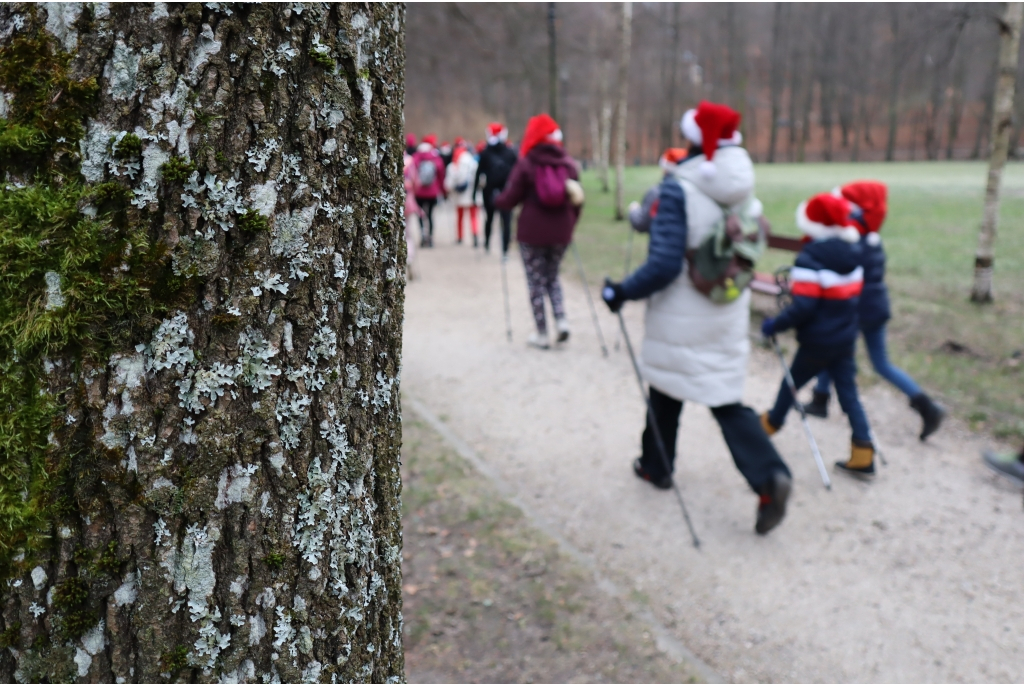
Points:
x=480 y=146
x=496 y=133
x=410 y=140
x=869 y=204
x=826 y=216
x=711 y=126
x=540 y=129
x=430 y=139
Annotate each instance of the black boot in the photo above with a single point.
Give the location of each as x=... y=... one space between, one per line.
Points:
x=772 y=508
x=931 y=413
x=819 y=405
x=662 y=483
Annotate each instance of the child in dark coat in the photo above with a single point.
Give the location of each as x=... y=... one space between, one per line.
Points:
x=868 y=205
x=826 y=283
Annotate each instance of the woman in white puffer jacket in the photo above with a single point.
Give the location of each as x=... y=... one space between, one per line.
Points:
x=458 y=181
x=696 y=349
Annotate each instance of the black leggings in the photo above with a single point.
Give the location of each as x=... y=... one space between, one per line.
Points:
x=427 y=204
x=506 y=223
x=752 y=451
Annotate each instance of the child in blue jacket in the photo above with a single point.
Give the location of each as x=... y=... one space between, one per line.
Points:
x=868 y=209
x=826 y=283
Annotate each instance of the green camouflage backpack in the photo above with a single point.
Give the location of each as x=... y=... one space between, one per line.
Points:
x=722 y=266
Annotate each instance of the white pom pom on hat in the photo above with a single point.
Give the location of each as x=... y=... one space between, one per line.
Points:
x=711 y=126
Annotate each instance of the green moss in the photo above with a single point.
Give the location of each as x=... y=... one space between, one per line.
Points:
x=126 y=149
x=77 y=623
x=108 y=561
x=72 y=286
x=274 y=561
x=322 y=59
x=11 y=637
x=175 y=660
x=177 y=169
x=70 y=594
x=253 y=222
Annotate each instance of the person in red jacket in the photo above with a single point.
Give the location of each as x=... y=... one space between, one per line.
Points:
x=430 y=172
x=546 y=221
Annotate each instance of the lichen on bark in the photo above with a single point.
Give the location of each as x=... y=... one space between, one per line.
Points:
x=202 y=211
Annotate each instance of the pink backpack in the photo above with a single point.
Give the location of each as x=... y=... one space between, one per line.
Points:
x=550 y=184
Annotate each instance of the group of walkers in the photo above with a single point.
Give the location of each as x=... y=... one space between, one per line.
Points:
x=706 y=231
x=469 y=176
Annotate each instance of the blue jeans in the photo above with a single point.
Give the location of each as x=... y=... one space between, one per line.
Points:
x=874 y=338
x=839 y=363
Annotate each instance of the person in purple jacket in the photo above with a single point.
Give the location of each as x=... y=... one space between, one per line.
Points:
x=545 y=225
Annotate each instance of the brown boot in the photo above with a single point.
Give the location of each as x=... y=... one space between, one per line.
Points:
x=862 y=460
x=769 y=429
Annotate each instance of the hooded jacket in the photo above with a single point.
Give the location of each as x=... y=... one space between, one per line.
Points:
x=826 y=283
x=496 y=164
x=462 y=170
x=539 y=224
x=694 y=349
x=874 y=300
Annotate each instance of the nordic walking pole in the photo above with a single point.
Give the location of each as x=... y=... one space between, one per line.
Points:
x=625 y=271
x=654 y=428
x=504 y=288
x=590 y=299
x=803 y=416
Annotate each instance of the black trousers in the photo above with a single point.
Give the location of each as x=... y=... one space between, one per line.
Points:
x=506 y=221
x=752 y=451
x=427 y=204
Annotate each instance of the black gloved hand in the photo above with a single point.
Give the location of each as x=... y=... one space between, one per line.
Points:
x=612 y=295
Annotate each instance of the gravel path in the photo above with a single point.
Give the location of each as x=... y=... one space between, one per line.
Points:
x=915 y=577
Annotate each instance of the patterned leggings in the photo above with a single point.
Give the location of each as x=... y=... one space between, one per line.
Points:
x=541 y=262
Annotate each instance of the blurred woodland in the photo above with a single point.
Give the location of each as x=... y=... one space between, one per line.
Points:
x=813 y=81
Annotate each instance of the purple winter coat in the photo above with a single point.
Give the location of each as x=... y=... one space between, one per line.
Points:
x=538 y=224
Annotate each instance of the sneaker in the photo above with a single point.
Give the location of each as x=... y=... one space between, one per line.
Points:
x=538 y=340
x=772 y=508
x=931 y=414
x=663 y=483
x=563 y=330
x=818 y=406
x=1007 y=465
x=862 y=461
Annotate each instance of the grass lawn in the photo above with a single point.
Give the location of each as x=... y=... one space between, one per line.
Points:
x=969 y=356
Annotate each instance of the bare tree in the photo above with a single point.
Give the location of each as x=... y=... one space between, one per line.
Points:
x=895 y=75
x=605 y=126
x=200 y=411
x=778 y=73
x=626 y=30
x=1002 y=124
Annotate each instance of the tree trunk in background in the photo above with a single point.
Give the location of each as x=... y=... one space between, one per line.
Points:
x=810 y=70
x=940 y=83
x=1002 y=124
x=1018 y=112
x=777 y=78
x=620 y=115
x=223 y=499
x=828 y=78
x=672 y=116
x=895 y=74
x=956 y=102
x=606 y=125
x=552 y=63
x=987 y=96
x=736 y=46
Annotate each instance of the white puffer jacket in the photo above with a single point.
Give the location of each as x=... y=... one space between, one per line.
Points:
x=458 y=173
x=695 y=349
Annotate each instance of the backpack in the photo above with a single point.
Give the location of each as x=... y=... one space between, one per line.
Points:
x=550 y=184
x=499 y=170
x=427 y=171
x=722 y=266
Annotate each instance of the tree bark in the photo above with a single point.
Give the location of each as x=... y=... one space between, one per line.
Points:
x=1002 y=124
x=620 y=115
x=221 y=494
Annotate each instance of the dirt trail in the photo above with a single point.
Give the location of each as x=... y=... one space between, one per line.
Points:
x=915 y=577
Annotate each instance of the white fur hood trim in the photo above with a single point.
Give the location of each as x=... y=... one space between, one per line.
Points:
x=818 y=231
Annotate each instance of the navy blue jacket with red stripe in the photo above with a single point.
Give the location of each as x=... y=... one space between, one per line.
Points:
x=826 y=283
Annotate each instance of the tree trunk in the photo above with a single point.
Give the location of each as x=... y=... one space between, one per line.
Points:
x=672 y=116
x=895 y=74
x=620 y=115
x=956 y=102
x=1002 y=123
x=778 y=73
x=606 y=125
x=552 y=63
x=200 y=340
